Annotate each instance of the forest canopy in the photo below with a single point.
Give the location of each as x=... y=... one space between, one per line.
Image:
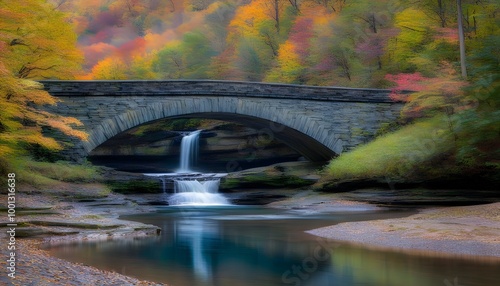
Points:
x=397 y=44
x=316 y=42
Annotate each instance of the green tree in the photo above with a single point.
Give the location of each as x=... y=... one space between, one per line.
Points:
x=169 y=62
x=249 y=63
x=478 y=126
x=197 y=53
x=189 y=58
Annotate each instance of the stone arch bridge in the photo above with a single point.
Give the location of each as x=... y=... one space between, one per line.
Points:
x=318 y=122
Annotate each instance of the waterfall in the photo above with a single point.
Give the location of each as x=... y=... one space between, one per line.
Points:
x=191 y=191
x=189 y=151
x=194 y=192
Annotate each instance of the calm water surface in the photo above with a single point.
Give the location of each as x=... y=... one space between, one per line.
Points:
x=259 y=246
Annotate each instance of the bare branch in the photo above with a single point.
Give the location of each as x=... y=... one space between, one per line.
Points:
x=61 y=2
x=16 y=42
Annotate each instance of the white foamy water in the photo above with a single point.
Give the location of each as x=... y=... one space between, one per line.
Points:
x=194 y=192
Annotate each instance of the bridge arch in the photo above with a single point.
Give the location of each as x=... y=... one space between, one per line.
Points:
x=304 y=134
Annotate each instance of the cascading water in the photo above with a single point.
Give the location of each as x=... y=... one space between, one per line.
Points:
x=189 y=151
x=194 y=192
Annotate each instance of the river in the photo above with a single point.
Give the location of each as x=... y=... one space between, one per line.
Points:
x=250 y=245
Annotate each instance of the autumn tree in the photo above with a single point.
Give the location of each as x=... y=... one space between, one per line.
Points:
x=111 y=68
x=440 y=11
x=274 y=10
x=142 y=67
x=42 y=44
x=292 y=61
x=35 y=42
x=331 y=5
x=250 y=52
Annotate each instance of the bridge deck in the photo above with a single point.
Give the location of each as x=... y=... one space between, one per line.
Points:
x=215 y=88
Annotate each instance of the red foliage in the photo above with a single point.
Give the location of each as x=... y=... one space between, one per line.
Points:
x=326 y=64
x=447 y=34
x=372 y=48
x=96 y=52
x=405 y=81
x=300 y=35
x=130 y=48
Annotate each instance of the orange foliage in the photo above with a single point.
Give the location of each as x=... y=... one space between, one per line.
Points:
x=247 y=18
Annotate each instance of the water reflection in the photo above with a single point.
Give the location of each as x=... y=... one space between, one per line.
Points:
x=202 y=247
x=197 y=234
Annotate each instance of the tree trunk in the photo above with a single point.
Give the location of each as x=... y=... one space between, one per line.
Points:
x=462 y=39
x=442 y=13
x=277 y=15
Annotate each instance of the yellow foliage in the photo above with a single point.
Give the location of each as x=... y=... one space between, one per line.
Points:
x=35 y=42
x=289 y=66
x=110 y=68
x=142 y=67
x=414 y=25
x=41 y=43
x=247 y=18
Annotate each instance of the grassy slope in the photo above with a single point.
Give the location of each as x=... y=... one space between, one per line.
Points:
x=45 y=174
x=398 y=155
